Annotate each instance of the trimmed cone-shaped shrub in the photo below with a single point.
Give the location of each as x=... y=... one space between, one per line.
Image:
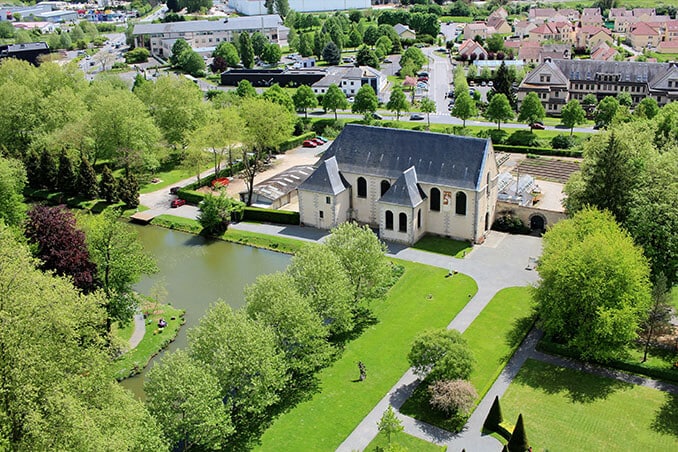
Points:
x=494 y=417
x=518 y=441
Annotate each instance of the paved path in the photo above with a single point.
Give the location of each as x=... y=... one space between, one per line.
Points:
x=139 y=331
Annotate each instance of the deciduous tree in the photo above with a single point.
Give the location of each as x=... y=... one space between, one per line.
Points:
x=499 y=110
x=215 y=212
x=452 y=396
x=304 y=98
x=605 y=111
x=259 y=43
x=397 y=102
x=12 y=182
x=366 y=101
x=272 y=54
x=389 y=424
x=464 y=107
x=441 y=355
x=228 y=52
x=334 y=99
x=245 y=89
x=275 y=94
x=531 y=110
x=428 y=106
x=572 y=115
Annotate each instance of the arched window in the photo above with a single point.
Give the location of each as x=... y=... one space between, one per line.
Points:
x=434 y=203
x=419 y=219
x=362 y=187
x=389 y=220
x=460 y=206
x=385 y=185
x=402 y=222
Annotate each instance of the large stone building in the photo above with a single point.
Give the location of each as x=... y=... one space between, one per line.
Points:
x=405 y=183
x=206 y=34
x=558 y=81
x=255 y=7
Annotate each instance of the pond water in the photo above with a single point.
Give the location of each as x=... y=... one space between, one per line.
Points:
x=196 y=272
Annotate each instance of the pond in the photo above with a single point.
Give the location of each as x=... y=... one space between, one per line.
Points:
x=196 y=272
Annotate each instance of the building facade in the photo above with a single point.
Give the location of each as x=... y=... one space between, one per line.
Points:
x=257 y=7
x=405 y=183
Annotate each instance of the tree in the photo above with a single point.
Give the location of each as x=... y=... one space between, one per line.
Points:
x=274 y=301
x=267 y=124
x=242 y=354
x=185 y=399
x=397 y=102
x=441 y=355
x=363 y=257
x=178 y=48
x=228 y=52
x=367 y=57
x=334 y=99
x=221 y=136
x=647 y=108
x=60 y=245
x=572 y=115
x=518 y=441
x=331 y=54
x=589 y=100
x=304 y=98
x=108 y=187
x=452 y=396
x=128 y=191
x=495 y=43
x=245 y=89
x=87 y=180
x=138 y=55
x=215 y=212
x=272 y=54
x=384 y=46
x=319 y=276
x=366 y=101
x=246 y=50
x=658 y=321
x=499 y=109
x=194 y=6
x=389 y=424
x=371 y=35
x=275 y=94
x=494 y=416
x=12 y=182
x=67 y=178
x=259 y=43
x=428 y=106
x=49 y=169
x=531 y=110
x=624 y=99
x=464 y=107
x=50 y=343
x=305 y=44
x=320 y=40
x=415 y=55
x=503 y=83
x=174 y=5
x=193 y=63
x=605 y=111
x=120 y=259
x=594 y=288
x=354 y=38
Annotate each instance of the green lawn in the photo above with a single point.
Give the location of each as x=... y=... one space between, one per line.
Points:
x=169 y=177
x=456 y=19
x=422 y=298
x=565 y=410
x=442 y=245
x=663 y=57
x=493 y=337
x=408 y=442
x=155 y=339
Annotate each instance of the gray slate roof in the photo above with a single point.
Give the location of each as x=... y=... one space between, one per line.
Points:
x=405 y=191
x=326 y=179
x=439 y=159
x=630 y=71
x=192 y=26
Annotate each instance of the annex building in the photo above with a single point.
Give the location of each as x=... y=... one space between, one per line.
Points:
x=405 y=183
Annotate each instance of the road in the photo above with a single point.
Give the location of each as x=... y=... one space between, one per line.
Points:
x=440 y=76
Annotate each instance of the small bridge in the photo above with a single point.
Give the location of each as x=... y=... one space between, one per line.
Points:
x=146 y=216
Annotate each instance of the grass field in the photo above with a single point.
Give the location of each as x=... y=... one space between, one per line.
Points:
x=422 y=298
x=409 y=442
x=493 y=337
x=442 y=245
x=565 y=410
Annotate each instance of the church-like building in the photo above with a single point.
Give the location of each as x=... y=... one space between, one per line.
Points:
x=405 y=183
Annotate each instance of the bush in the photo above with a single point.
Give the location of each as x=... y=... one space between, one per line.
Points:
x=138 y=55
x=497 y=136
x=564 y=141
x=321 y=126
x=509 y=223
x=271 y=216
x=523 y=138
x=537 y=151
x=452 y=396
x=293 y=142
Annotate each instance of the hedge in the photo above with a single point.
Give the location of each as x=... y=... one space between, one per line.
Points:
x=547 y=346
x=271 y=216
x=295 y=141
x=537 y=151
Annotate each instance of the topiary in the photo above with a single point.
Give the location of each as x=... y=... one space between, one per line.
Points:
x=494 y=417
x=518 y=441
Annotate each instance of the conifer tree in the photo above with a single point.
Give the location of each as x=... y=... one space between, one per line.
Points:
x=87 y=180
x=518 y=441
x=108 y=187
x=67 y=178
x=48 y=170
x=494 y=417
x=128 y=190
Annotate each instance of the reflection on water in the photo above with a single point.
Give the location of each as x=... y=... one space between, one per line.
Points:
x=195 y=272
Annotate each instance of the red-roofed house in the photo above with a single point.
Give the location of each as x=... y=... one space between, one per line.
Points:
x=603 y=52
x=529 y=52
x=478 y=29
x=470 y=47
x=591 y=17
x=592 y=36
x=668 y=47
x=671 y=31
x=557 y=31
x=642 y=35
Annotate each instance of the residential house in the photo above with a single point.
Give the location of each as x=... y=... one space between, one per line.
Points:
x=591 y=17
x=205 y=34
x=668 y=47
x=642 y=35
x=671 y=31
x=472 y=50
x=589 y=37
x=478 y=29
x=499 y=21
x=554 y=31
x=404 y=32
x=558 y=81
x=555 y=52
x=529 y=52
x=623 y=25
x=540 y=15
x=500 y=13
x=350 y=78
x=603 y=52
x=405 y=183
x=522 y=28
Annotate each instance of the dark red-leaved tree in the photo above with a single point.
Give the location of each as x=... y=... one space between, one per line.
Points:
x=61 y=245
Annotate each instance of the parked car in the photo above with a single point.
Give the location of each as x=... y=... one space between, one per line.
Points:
x=317 y=141
x=309 y=144
x=490 y=83
x=422 y=74
x=537 y=126
x=422 y=79
x=322 y=138
x=377 y=116
x=450 y=95
x=177 y=202
x=174 y=190
x=416 y=117
x=483 y=83
x=351 y=99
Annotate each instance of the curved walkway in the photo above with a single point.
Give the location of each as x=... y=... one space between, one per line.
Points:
x=139 y=331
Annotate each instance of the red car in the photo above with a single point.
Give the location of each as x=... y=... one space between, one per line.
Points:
x=537 y=126
x=309 y=144
x=178 y=202
x=318 y=141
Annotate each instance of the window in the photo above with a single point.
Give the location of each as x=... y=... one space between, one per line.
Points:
x=419 y=219
x=434 y=203
x=460 y=204
x=321 y=214
x=385 y=185
x=362 y=187
x=389 y=220
x=328 y=200
x=487 y=184
x=402 y=222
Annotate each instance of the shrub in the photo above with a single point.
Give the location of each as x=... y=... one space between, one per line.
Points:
x=511 y=224
x=523 y=138
x=293 y=142
x=537 y=151
x=497 y=136
x=563 y=141
x=271 y=216
x=452 y=396
x=494 y=417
